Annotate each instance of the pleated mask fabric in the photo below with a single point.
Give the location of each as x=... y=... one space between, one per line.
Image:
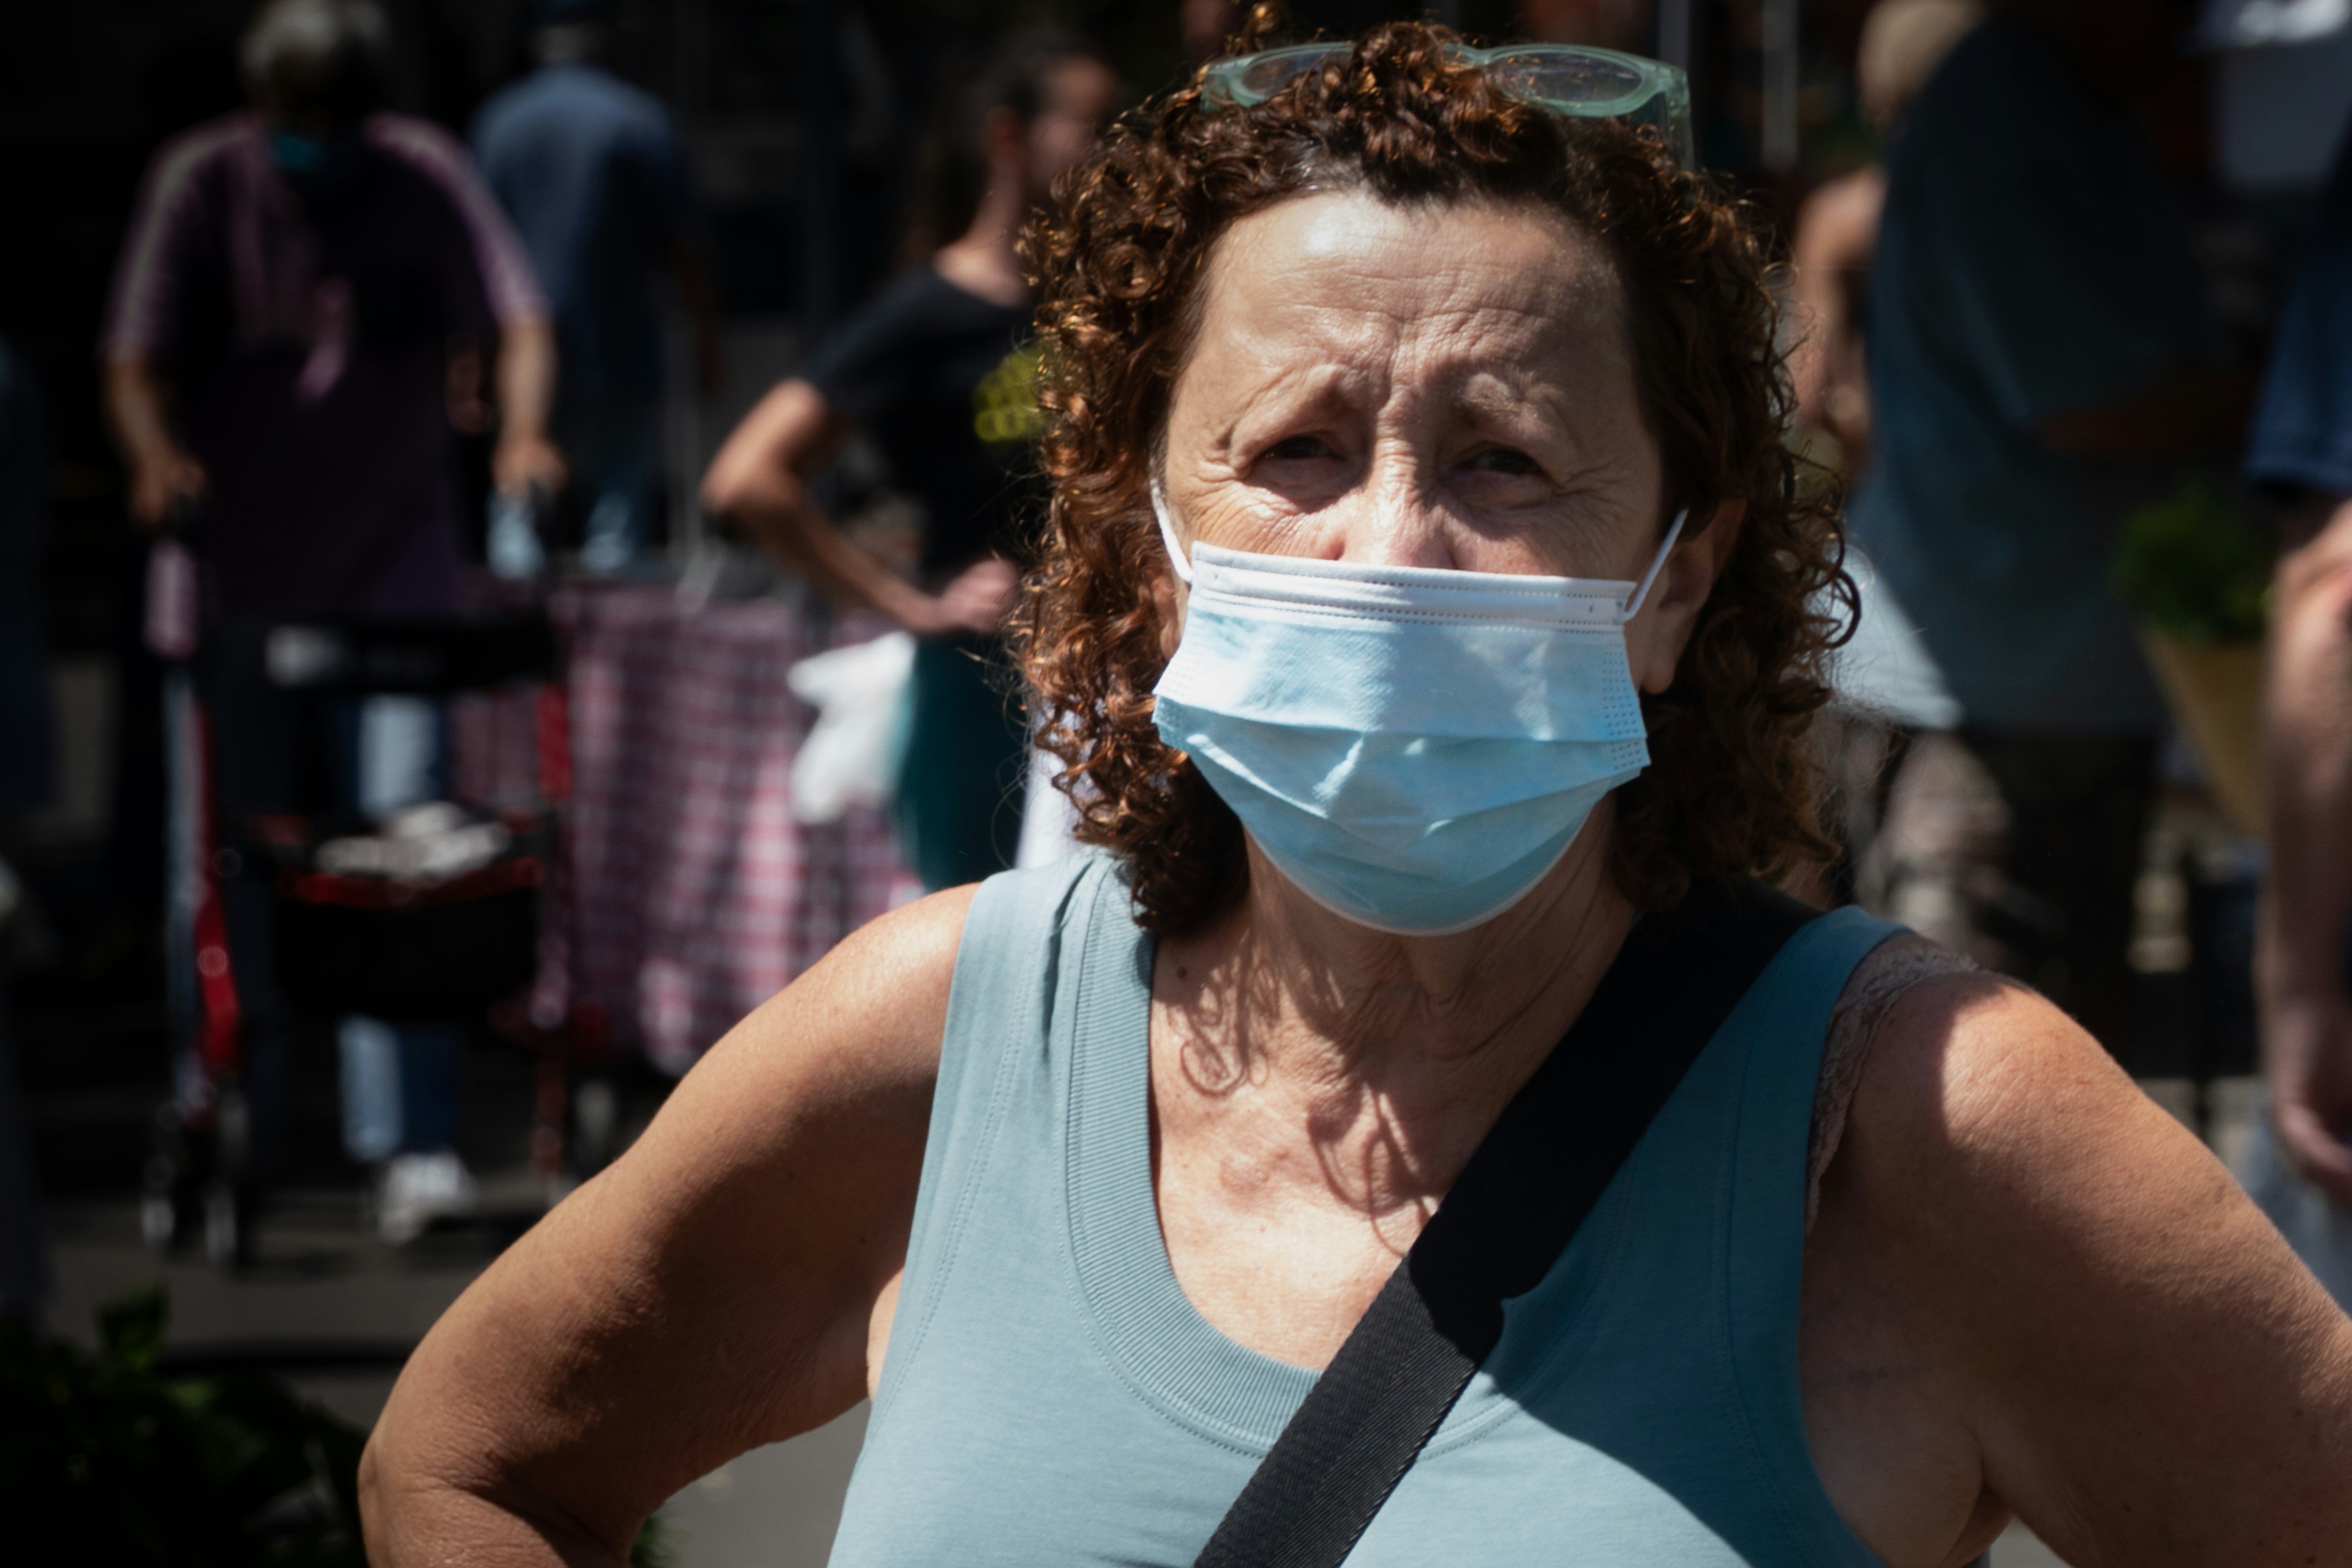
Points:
x=1415 y=748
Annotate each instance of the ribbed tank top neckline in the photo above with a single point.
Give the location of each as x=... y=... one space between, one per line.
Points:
x=1148 y=1328
x=1051 y=1394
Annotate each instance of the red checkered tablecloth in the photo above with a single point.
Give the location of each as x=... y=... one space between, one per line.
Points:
x=689 y=895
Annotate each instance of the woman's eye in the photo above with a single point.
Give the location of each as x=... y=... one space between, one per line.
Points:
x=1501 y=460
x=1297 y=449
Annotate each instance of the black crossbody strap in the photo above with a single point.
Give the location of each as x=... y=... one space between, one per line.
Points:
x=1512 y=1212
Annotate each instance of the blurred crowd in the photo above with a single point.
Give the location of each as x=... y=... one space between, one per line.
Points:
x=2069 y=304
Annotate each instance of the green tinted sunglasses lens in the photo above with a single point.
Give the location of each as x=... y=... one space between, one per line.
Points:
x=1595 y=84
x=1588 y=85
x=1256 y=77
x=1581 y=83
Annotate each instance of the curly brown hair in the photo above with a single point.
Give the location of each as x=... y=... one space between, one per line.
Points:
x=1732 y=791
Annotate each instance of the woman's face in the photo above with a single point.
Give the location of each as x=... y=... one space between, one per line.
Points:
x=1435 y=384
x=1443 y=384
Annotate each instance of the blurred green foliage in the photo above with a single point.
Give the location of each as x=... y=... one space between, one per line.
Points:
x=118 y=1463
x=2194 y=567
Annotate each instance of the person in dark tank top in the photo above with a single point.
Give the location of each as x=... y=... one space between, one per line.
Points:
x=940 y=372
x=1429 y=622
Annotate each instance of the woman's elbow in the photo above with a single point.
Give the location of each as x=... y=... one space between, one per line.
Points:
x=728 y=488
x=413 y=1511
x=421 y=1484
x=396 y=1500
x=759 y=472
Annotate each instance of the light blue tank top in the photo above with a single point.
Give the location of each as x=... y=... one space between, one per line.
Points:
x=1051 y=1397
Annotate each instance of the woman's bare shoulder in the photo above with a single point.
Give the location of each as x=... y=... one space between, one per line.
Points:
x=712 y=1291
x=2150 y=1375
x=1886 y=974
x=1974 y=1067
x=868 y=1017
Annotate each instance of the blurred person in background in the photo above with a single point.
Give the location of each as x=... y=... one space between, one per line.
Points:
x=940 y=373
x=594 y=175
x=1887 y=688
x=2301 y=442
x=1203 y=26
x=2043 y=360
x=1609 y=23
x=276 y=359
x=1903 y=42
x=27 y=779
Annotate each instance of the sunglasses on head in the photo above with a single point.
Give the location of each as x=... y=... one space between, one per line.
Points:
x=1568 y=79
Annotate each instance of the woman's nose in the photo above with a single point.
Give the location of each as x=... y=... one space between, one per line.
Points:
x=1395 y=519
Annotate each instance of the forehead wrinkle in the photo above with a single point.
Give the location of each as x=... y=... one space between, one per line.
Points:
x=1481 y=311
x=1292 y=388
x=1497 y=363
x=1481 y=316
x=1347 y=246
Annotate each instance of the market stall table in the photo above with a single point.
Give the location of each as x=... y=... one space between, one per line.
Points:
x=687 y=894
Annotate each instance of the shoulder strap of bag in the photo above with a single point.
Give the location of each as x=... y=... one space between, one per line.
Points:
x=1513 y=1211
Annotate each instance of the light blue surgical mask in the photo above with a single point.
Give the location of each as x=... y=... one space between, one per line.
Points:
x=1414 y=748
x=312 y=162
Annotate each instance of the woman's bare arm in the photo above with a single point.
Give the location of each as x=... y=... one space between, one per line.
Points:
x=2307 y=914
x=712 y=1291
x=163 y=475
x=2138 y=1364
x=1837 y=228
x=760 y=482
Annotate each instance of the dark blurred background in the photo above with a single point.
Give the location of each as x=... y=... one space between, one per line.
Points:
x=803 y=118
x=804 y=121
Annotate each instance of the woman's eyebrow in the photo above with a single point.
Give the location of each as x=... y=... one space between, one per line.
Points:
x=1536 y=406
x=1315 y=387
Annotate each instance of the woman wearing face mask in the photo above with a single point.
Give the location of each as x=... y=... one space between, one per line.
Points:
x=1430 y=625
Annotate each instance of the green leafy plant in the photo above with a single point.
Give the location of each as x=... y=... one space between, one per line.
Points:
x=652 y=1548
x=2192 y=567
x=134 y=1466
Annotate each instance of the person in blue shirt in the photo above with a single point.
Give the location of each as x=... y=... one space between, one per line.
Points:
x=594 y=173
x=2042 y=362
x=2301 y=442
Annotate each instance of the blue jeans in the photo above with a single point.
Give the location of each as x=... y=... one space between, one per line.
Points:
x=276 y=751
x=960 y=789
x=615 y=451
x=400 y=1086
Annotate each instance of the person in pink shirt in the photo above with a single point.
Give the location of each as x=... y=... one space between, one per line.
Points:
x=278 y=335
x=298 y=283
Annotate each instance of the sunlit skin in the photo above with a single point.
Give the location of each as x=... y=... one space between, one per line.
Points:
x=1358 y=394
x=2029 y=1289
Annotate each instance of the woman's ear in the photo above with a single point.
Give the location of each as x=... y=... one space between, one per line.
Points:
x=1655 y=638
x=1167 y=601
x=1165 y=588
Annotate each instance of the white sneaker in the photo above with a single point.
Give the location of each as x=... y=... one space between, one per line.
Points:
x=414 y=1190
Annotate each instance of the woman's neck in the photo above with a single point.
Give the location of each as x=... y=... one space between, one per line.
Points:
x=985 y=259
x=1395 y=1054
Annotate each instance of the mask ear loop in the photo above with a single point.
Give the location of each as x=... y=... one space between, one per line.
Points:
x=1666 y=548
x=1167 y=536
